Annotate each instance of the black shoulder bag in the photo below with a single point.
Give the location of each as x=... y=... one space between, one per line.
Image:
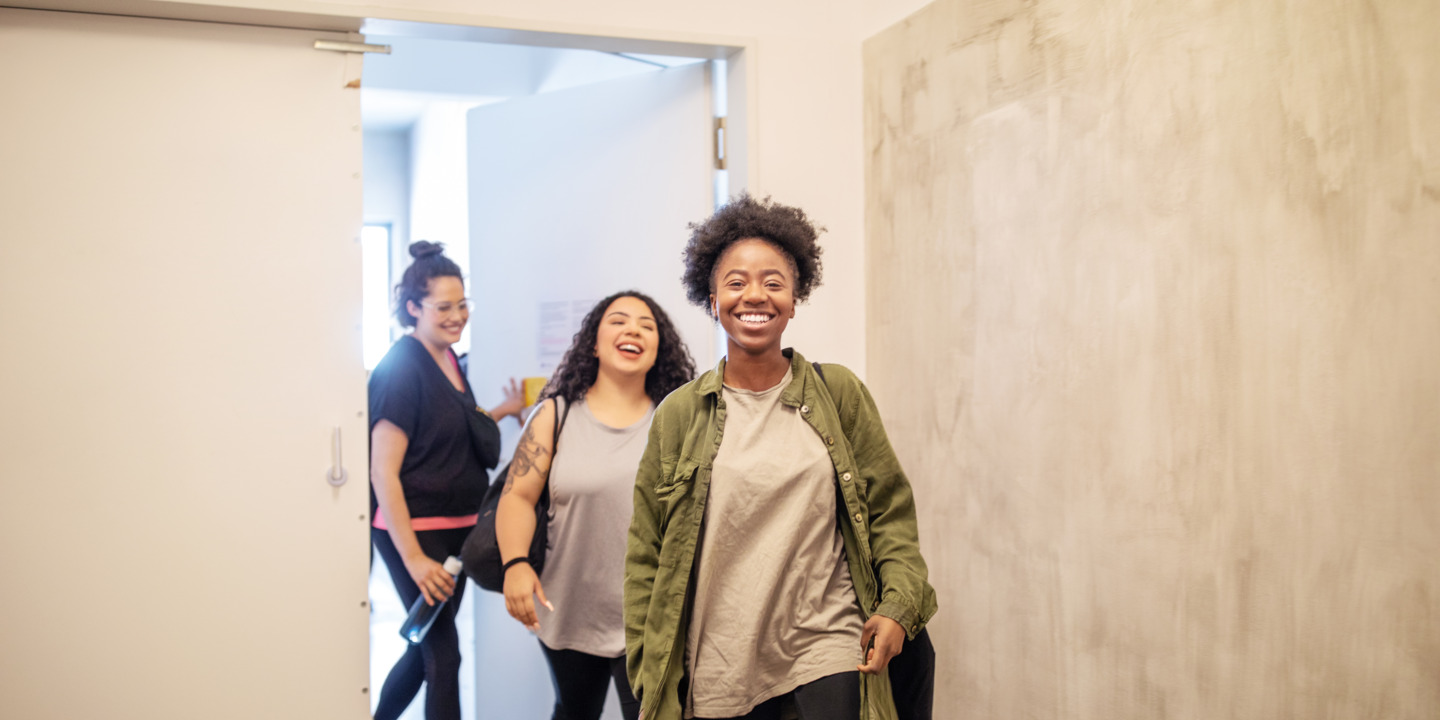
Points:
x=481 y=552
x=912 y=672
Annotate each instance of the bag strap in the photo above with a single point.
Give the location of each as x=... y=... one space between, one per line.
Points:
x=487 y=457
x=825 y=384
x=829 y=392
x=560 y=415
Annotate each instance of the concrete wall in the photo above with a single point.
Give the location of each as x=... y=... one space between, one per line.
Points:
x=1153 y=324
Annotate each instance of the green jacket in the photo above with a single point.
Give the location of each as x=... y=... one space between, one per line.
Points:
x=876 y=520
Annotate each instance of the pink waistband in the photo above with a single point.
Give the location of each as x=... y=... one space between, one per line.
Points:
x=430 y=523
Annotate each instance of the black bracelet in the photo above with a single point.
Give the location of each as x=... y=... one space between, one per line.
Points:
x=513 y=562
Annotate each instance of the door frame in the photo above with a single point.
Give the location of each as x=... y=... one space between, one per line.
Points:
x=742 y=123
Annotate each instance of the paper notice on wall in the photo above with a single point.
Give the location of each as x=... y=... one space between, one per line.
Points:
x=559 y=321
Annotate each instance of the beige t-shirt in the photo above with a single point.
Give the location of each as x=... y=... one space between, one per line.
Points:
x=774 y=604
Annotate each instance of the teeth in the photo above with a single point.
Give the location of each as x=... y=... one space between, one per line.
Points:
x=754 y=318
x=631 y=348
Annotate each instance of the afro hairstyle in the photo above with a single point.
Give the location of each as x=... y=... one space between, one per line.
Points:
x=787 y=228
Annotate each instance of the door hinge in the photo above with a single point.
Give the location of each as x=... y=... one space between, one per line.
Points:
x=719 y=143
x=351 y=47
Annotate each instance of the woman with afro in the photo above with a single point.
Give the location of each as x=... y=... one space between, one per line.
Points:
x=625 y=359
x=773 y=564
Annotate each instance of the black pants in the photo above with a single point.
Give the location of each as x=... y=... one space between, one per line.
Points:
x=834 y=697
x=435 y=662
x=581 y=681
x=912 y=678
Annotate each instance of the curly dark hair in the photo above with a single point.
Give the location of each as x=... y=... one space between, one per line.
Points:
x=414 y=286
x=579 y=368
x=744 y=217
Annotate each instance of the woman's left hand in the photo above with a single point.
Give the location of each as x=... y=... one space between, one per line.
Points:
x=889 y=638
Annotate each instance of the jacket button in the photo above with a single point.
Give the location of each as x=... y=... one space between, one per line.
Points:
x=829 y=440
x=804 y=408
x=875 y=605
x=845 y=477
x=858 y=518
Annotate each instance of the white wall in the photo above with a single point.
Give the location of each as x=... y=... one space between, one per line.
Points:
x=438 y=181
x=487 y=70
x=803 y=62
x=806 y=101
x=455 y=67
x=387 y=182
x=877 y=15
x=438 y=187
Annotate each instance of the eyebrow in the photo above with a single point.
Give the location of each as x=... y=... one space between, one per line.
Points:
x=622 y=312
x=767 y=271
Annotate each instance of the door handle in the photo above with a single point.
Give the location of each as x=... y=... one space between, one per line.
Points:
x=337 y=474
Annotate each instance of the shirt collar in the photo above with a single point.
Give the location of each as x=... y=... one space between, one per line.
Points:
x=712 y=381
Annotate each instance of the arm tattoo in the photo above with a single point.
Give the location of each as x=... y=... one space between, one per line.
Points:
x=530 y=456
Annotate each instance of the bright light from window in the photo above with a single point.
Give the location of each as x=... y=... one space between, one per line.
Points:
x=375 y=269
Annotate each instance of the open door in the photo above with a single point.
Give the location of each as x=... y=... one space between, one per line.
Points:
x=180 y=302
x=575 y=195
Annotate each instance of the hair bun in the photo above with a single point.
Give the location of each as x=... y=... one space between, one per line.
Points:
x=425 y=248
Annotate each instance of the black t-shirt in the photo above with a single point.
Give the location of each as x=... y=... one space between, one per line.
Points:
x=452 y=442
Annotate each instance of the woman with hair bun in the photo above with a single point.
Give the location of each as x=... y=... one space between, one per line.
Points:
x=430 y=447
x=625 y=359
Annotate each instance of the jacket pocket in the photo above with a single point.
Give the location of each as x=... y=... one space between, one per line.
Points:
x=676 y=485
x=672 y=494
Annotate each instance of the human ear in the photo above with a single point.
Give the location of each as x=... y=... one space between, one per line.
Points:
x=413 y=309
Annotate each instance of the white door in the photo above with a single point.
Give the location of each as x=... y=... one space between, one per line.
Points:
x=179 y=302
x=579 y=193
x=575 y=195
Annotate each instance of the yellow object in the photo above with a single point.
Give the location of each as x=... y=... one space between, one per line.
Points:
x=533 y=386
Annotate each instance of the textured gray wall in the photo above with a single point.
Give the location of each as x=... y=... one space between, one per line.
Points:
x=1154 y=321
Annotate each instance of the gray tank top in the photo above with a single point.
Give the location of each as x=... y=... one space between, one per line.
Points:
x=592 y=495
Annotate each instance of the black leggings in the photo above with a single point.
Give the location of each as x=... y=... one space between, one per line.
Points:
x=581 y=680
x=834 y=697
x=435 y=662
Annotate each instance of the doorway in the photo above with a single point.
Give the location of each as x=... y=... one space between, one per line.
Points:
x=556 y=173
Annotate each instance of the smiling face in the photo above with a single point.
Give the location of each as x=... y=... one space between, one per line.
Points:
x=753 y=296
x=627 y=340
x=441 y=316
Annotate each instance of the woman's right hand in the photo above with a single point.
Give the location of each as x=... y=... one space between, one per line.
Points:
x=522 y=586
x=435 y=584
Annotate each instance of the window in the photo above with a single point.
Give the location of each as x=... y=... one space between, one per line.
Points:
x=377 y=324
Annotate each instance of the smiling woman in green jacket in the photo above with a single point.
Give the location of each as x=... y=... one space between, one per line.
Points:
x=773 y=557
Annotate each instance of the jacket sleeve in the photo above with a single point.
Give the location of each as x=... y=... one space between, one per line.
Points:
x=642 y=556
x=905 y=592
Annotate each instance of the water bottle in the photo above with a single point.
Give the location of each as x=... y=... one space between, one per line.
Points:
x=422 y=616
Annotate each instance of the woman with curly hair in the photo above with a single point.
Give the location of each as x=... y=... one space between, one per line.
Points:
x=625 y=359
x=773 y=559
